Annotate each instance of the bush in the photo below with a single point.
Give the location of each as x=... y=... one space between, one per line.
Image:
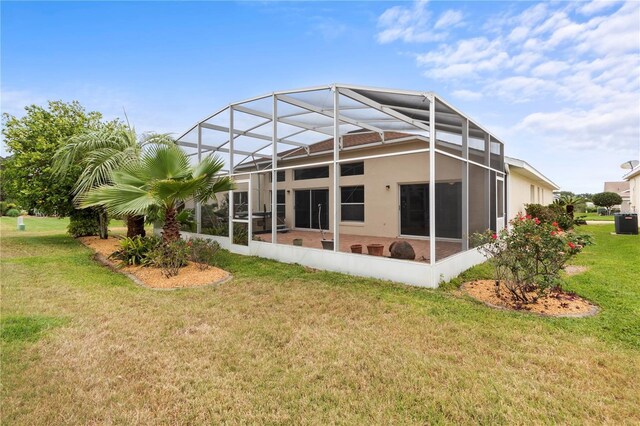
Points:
x=550 y=214
x=135 y=251
x=530 y=255
x=83 y=223
x=12 y=213
x=6 y=206
x=202 y=252
x=170 y=257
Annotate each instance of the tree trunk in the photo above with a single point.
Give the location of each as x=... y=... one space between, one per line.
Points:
x=135 y=226
x=570 y=209
x=171 y=228
x=103 y=224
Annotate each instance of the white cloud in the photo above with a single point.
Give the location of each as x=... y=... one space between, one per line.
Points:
x=412 y=24
x=566 y=74
x=467 y=95
x=450 y=18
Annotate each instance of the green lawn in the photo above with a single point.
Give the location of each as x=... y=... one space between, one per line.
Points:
x=286 y=344
x=595 y=216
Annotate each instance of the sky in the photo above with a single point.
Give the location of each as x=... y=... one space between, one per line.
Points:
x=558 y=82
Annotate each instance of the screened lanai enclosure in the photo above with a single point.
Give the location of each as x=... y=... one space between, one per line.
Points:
x=322 y=170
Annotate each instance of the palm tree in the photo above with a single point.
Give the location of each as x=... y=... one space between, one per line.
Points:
x=161 y=179
x=101 y=152
x=570 y=202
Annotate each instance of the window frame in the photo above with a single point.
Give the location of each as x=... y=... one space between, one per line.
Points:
x=359 y=203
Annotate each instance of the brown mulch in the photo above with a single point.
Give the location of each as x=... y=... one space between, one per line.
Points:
x=190 y=276
x=556 y=304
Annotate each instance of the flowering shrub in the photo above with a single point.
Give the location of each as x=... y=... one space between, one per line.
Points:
x=530 y=255
x=202 y=252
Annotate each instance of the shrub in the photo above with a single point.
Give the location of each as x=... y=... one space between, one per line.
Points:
x=170 y=257
x=83 y=223
x=12 y=213
x=6 y=206
x=550 y=214
x=134 y=251
x=202 y=252
x=530 y=255
x=23 y=213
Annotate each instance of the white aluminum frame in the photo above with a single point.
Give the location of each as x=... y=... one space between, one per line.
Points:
x=400 y=109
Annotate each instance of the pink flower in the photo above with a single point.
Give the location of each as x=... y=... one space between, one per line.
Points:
x=555 y=224
x=537 y=221
x=494 y=236
x=572 y=245
x=553 y=232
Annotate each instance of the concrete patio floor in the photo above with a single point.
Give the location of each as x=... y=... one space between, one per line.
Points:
x=313 y=238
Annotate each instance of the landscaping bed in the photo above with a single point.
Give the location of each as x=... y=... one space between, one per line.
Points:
x=555 y=303
x=190 y=275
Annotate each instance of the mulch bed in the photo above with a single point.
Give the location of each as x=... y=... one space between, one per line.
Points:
x=190 y=276
x=554 y=303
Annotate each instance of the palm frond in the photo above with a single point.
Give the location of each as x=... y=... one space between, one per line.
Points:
x=119 y=199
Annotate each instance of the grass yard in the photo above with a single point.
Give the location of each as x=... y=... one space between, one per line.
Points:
x=285 y=344
x=596 y=217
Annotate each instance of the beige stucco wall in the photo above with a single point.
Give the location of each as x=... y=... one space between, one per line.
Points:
x=382 y=213
x=520 y=192
x=634 y=199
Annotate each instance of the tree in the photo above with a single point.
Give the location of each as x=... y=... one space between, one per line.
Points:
x=606 y=199
x=570 y=202
x=32 y=140
x=99 y=153
x=161 y=179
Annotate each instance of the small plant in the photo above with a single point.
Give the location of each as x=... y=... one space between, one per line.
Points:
x=83 y=223
x=6 y=206
x=134 y=251
x=170 y=257
x=13 y=213
x=529 y=256
x=202 y=252
x=240 y=234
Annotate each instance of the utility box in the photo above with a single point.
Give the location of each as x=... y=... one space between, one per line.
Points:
x=626 y=223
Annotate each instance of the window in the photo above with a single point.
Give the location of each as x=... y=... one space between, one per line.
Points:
x=240 y=202
x=352 y=198
x=280 y=178
x=311 y=173
x=532 y=195
x=280 y=203
x=352 y=169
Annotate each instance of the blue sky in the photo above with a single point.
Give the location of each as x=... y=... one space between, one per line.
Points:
x=559 y=82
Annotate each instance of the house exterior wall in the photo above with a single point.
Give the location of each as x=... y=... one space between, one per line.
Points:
x=524 y=190
x=634 y=197
x=382 y=212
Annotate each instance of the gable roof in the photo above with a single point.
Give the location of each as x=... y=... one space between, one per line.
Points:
x=529 y=171
x=617 y=187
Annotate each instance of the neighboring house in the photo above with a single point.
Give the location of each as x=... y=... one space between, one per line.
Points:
x=360 y=163
x=633 y=180
x=526 y=185
x=621 y=188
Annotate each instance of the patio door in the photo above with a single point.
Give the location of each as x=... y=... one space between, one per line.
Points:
x=311 y=208
x=414 y=209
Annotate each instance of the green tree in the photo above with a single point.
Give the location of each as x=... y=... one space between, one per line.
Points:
x=32 y=140
x=570 y=202
x=162 y=179
x=99 y=153
x=606 y=199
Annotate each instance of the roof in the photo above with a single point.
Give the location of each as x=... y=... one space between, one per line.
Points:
x=617 y=187
x=349 y=140
x=244 y=131
x=529 y=171
x=633 y=173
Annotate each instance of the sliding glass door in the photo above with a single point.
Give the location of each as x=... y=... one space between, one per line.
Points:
x=311 y=208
